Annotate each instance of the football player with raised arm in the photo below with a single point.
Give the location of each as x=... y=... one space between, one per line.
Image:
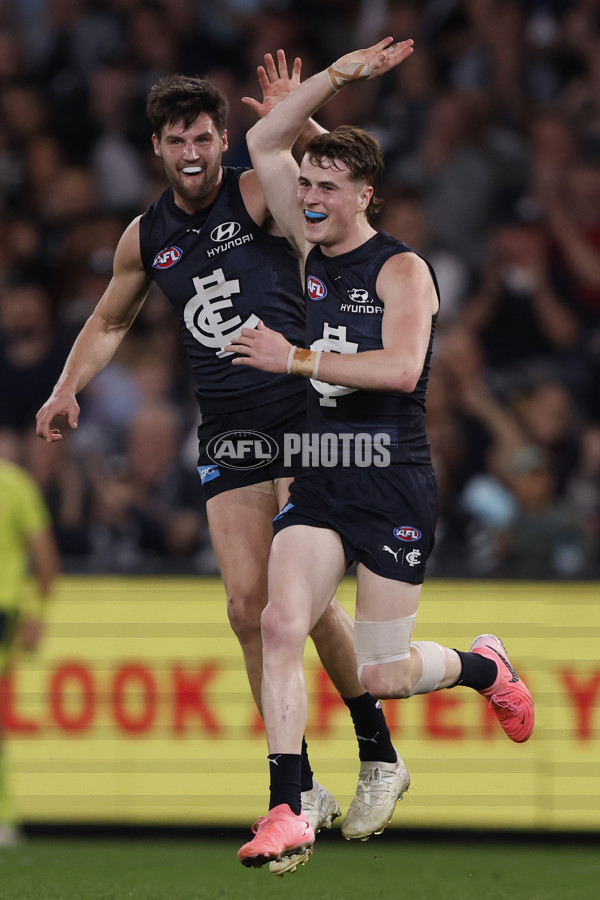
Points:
x=371 y=308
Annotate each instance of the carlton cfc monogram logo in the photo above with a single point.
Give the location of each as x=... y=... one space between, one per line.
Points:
x=167 y=258
x=203 y=313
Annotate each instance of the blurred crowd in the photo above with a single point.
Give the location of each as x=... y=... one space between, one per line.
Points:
x=491 y=133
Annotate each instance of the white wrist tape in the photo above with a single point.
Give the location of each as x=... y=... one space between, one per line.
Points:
x=288 y=367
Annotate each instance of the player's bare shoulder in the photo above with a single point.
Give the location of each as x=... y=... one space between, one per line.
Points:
x=254 y=198
x=130 y=283
x=128 y=255
x=414 y=275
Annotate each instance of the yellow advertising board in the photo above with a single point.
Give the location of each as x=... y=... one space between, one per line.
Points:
x=137 y=710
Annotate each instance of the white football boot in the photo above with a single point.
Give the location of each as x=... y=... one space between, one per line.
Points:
x=380 y=786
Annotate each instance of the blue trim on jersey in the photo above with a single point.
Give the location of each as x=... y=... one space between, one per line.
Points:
x=208 y=473
x=285 y=509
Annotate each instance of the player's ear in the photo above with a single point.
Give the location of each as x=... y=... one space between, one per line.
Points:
x=156 y=144
x=224 y=141
x=365 y=197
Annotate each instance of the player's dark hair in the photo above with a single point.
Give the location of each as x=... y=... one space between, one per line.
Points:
x=181 y=98
x=359 y=151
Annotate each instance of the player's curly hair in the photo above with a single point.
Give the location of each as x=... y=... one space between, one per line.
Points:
x=358 y=150
x=182 y=98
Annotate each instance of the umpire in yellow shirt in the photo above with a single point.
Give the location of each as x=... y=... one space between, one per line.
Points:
x=26 y=543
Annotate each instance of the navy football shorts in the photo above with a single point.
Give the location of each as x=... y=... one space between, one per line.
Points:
x=238 y=449
x=385 y=517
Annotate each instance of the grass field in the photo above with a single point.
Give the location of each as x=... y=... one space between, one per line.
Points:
x=205 y=868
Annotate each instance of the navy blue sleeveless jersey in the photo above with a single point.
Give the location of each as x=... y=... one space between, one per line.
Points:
x=344 y=315
x=221 y=272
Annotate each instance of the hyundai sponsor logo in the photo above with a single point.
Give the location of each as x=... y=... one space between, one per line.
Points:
x=225 y=231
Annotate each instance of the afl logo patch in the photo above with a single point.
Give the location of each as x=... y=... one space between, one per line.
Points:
x=315 y=288
x=167 y=258
x=407 y=533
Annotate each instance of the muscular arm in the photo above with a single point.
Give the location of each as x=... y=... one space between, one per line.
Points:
x=406 y=289
x=101 y=335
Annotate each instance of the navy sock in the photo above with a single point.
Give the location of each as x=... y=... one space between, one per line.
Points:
x=478 y=672
x=285 y=780
x=372 y=733
x=306 y=773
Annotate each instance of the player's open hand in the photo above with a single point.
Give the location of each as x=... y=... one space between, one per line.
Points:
x=260 y=348
x=363 y=64
x=275 y=82
x=56 y=405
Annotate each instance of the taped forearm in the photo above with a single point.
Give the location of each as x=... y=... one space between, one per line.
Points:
x=304 y=362
x=340 y=73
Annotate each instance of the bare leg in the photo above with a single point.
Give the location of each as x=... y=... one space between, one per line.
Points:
x=240 y=523
x=241 y=530
x=333 y=635
x=305 y=567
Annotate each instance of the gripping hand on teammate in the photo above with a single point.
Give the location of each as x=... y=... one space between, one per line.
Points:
x=261 y=348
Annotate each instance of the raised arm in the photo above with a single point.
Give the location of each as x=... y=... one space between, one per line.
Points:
x=101 y=335
x=271 y=139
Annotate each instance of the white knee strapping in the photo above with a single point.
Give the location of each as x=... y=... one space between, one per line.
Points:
x=434 y=667
x=382 y=642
